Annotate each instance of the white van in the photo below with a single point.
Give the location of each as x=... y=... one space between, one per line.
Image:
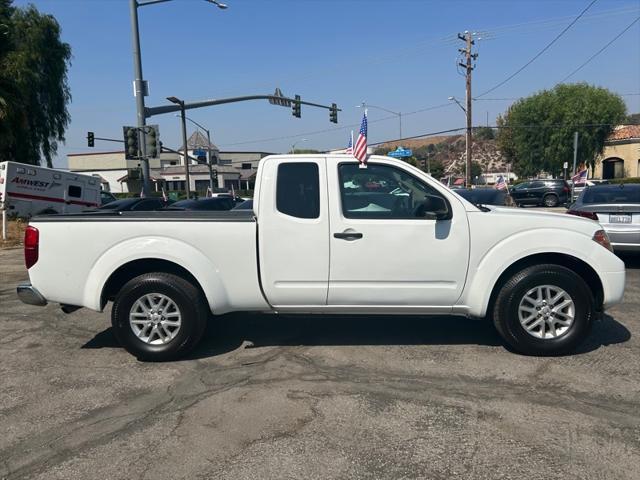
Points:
x=27 y=190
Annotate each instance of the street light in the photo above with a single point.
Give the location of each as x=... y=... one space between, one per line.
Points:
x=208 y=149
x=397 y=114
x=139 y=85
x=293 y=146
x=454 y=99
x=183 y=116
x=467 y=163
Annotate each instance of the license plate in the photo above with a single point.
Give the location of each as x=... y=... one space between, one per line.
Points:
x=620 y=218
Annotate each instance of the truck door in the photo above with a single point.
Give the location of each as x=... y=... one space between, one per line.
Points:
x=293 y=231
x=383 y=252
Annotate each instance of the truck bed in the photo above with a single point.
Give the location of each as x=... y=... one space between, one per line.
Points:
x=80 y=252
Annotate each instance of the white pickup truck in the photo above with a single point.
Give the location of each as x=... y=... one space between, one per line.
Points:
x=326 y=236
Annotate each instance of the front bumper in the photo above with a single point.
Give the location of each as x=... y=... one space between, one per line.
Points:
x=613 y=286
x=29 y=295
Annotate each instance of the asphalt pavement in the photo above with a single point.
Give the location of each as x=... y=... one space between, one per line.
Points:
x=315 y=397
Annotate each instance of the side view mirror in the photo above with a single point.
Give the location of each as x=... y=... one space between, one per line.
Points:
x=433 y=207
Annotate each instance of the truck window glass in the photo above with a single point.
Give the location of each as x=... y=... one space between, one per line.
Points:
x=298 y=190
x=75 y=191
x=380 y=192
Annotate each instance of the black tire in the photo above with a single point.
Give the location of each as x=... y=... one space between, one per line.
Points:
x=189 y=301
x=506 y=306
x=550 y=200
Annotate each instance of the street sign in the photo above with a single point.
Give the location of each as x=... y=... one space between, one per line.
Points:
x=400 y=152
x=565 y=165
x=199 y=153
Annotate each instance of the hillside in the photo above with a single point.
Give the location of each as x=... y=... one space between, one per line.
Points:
x=450 y=150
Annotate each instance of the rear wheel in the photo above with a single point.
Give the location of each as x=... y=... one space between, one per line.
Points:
x=551 y=200
x=544 y=310
x=159 y=316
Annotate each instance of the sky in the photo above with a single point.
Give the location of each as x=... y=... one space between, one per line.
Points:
x=400 y=55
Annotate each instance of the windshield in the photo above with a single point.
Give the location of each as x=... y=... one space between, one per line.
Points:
x=612 y=194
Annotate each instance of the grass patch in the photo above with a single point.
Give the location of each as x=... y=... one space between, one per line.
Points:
x=15 y=233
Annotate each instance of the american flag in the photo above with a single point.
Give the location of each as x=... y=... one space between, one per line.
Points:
x=349 y=150
x=360 y=149
x=580 y=178
x=501 y=184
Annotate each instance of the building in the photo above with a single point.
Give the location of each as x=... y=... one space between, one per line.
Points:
x=232 y=170
x=621 y=155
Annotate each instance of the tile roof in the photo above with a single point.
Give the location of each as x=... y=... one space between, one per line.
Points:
x=624 y=132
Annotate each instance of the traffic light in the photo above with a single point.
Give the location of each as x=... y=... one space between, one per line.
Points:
x=296 y=107
x=91 y=139
x=333 y=113
x=152 y=141
x=131 y=147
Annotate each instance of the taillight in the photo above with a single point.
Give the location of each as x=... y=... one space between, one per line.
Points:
x=566 y=189
x=589 y=215
x=31 y=244
x=602 y=238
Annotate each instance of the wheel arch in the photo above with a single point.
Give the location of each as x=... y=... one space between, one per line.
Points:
x=134 y=268
x=580 y=267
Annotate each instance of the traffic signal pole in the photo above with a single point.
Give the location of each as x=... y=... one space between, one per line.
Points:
x=139 y=92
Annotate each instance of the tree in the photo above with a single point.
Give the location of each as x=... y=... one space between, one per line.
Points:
x=536 y=133
x=381 y=151
x=437 y=169
x=484 y=133
x=633 y=118
x=34 y=90
x=306 y=150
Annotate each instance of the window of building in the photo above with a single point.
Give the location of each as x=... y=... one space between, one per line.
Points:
x=75 y=191
x=246 y=166
x=298 y=190
x=225 y=161
x=381 y=192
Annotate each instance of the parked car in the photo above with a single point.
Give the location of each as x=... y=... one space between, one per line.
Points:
x=547 y=192
x=137 y=204
x=617 y=208
x=320 y=241
x=246 y=205
x=210 y=203
x=589 y=183
x=106 y=197
x=483 y=196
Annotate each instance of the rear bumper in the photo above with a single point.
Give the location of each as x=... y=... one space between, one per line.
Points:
x=623 y=238
x=29 y=295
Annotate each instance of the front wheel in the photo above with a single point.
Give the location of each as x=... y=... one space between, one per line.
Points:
x=159 y=316
x=544 y=310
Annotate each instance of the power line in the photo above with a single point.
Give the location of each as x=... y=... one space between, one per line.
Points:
x=337 y=129
x=557 y=37
x=601 y=50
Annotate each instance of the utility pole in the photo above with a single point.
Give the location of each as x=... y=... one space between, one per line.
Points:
x=468 y=66
x=140 y=90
